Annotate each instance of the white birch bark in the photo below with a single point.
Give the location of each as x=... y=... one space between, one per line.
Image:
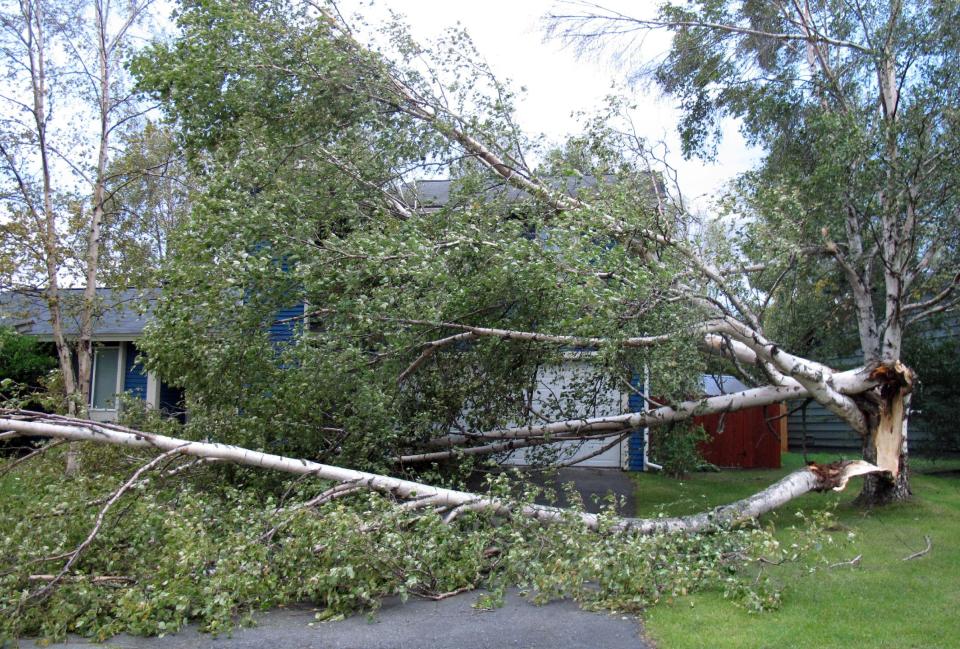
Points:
x=424 y=495
x=42 y=37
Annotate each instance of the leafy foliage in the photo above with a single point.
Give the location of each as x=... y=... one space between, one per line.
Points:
x=27 y=379
x=295 y=134
x=23 y=359
x=150 y=195
x=677 y=448
x=191 y=549
x=837 y=170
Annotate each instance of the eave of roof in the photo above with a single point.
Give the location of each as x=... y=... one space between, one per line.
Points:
x=121 y=314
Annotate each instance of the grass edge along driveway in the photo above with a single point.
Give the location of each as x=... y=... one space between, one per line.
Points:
x=881 y=602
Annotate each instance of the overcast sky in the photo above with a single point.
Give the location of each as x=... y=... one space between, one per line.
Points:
x=508 y=34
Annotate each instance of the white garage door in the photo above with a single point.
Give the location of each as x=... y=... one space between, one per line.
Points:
x=565 y=392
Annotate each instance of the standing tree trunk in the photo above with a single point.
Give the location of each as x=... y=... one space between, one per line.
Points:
x=92 y=258
x=47 y=42
x=886 y=444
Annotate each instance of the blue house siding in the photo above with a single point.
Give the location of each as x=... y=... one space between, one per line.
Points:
x=635 y=442
x=824 y=430
x=283 y=329
x=134 y=376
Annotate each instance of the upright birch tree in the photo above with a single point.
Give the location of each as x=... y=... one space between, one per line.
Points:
x=66 y=100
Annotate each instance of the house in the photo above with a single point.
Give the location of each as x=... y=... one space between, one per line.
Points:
x=119 y=322
x=124 y=314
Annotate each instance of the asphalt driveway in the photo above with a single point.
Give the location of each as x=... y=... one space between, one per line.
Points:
x=452 y=623
x=594 y=485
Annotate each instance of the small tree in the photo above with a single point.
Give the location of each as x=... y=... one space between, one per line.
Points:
x=66 y=102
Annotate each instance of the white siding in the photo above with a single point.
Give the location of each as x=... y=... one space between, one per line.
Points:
x=568 y=391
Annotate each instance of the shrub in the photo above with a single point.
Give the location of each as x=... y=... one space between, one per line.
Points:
x=24 y=362
x=676 y=448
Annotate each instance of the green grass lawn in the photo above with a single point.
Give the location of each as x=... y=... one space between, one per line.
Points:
x=883 y=602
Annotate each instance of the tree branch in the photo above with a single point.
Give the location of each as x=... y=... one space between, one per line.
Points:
x=815 y=477
x=642 y=23
x=98 y=523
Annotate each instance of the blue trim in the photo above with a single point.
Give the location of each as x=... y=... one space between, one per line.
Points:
x=635 y=451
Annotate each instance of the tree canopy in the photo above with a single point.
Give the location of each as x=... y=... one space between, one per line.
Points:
x=308 y=143
x=855 y=107
x=309 y=172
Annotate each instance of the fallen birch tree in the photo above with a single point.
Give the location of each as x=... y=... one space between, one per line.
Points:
x=142 y=541
x=878 y=412
x=432 y=316
x=420 y=496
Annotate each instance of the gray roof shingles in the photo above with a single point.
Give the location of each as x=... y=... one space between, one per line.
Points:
x=437 y=193
x=120 y=314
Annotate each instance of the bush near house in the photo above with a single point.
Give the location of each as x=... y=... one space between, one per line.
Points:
x=23 y=359
x=26 y=367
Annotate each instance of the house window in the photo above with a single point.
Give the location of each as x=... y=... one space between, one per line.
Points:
x=106 y=378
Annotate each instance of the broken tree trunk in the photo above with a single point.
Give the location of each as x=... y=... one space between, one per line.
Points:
x=812 y=478
x=886 y=443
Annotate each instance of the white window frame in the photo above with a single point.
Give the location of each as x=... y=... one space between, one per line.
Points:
x=121 y=364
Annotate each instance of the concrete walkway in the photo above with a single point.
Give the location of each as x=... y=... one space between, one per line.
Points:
x=417 y=624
